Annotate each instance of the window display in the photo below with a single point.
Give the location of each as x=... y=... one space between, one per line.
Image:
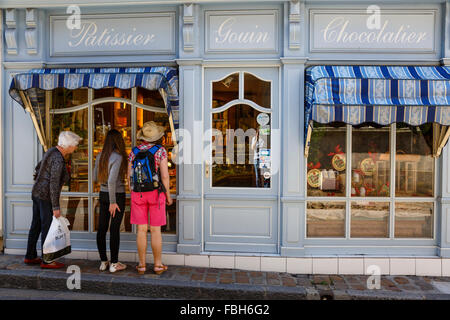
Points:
x=371 y=150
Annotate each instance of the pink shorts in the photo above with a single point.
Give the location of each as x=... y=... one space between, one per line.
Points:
x=143 y=203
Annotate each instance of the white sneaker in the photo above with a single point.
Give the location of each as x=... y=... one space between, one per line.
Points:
x=117 y=267
x=104 y=265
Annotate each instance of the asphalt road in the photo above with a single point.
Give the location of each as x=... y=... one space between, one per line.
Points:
x=26 y=294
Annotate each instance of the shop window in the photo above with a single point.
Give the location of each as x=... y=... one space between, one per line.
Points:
x=241 y=156
x=414 y=162
x=257 y=90
x=370 y=162
x=75 y=209
x=161 y=119
x=414 y=219
x=112 y=92
x=369 y=219
x=150 y=98
x=326 y=161
x=225 y=90
x=124 y=227
x=325 y=219
x=77 y=162
x=372 y=206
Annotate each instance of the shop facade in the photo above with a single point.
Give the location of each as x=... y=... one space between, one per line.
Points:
x=304 y=136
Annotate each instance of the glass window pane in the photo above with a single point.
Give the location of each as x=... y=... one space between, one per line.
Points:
x=414 y=162
x=161 y=119
x=77 y=162
x=150 y=98
x=370 y=162
x=326 y=161
x=124 y=227
x=112 y=92
x=171 y=219
x=225 y=90
x=369 y=219
x=75 y=209
x=257 y=90
x=241 y=155
x=65 y=98
x=107 y=116
x=325 y=219
x=414 y=219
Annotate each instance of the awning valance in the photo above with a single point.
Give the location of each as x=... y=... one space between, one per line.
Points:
x=28 y=89
x=378 y=94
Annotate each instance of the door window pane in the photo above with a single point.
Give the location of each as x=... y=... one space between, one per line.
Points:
x=414 y=219
x=257 y=90
x=125 y=225
x=77 y=162
x=225 y=90
x=241 y=154
x=370 y=162
x=107 y=116
x=327 y=161
x=369 y=219
x=414 y=162
x=75 y=209
x=161 y=119
x=325 y=219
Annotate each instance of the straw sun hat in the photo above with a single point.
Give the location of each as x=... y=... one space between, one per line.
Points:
x=150 y=132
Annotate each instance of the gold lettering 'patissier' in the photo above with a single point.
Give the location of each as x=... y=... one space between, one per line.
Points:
x=337 y=32
x=226 y=34
x=90 y=35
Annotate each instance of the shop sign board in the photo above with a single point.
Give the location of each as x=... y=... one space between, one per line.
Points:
x=113 y=34
x=382 y=32
x=242 y=31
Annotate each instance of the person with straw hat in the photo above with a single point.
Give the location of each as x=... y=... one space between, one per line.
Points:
x=150 y=203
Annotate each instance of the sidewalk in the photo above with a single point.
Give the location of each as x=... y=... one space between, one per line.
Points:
x=181 y=282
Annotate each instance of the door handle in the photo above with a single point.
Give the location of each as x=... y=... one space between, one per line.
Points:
x=207 y=169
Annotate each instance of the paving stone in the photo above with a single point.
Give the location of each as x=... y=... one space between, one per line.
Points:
x=401 y=280
x=288 y=282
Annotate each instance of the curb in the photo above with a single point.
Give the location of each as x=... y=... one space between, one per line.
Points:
x=147 y=287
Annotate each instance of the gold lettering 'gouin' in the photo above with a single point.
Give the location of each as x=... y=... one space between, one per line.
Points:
x=336 y=32
x=90 y=36
x=226 y=34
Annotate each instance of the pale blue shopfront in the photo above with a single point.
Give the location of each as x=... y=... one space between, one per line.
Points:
x=243 y=65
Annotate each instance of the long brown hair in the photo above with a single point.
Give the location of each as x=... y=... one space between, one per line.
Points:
x=113 y=142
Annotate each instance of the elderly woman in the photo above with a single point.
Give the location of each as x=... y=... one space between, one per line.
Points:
x=50 y=176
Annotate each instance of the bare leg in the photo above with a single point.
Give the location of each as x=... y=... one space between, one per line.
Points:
x=156 y=244
x=141 y=240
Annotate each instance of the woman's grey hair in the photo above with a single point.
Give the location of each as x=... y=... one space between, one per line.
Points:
x=68 y=139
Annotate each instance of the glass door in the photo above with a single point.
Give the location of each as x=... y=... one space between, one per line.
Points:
x=241 y=167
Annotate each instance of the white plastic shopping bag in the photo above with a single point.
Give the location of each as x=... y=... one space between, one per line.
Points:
x=57 y=242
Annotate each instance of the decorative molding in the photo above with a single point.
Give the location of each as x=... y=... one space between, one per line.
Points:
x=188 y=27
x=30 y=18
x=31 y=30
x=11 y=31
x=294 y=25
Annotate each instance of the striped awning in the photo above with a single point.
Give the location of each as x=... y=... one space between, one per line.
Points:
x=377 y=94
x=28 y=89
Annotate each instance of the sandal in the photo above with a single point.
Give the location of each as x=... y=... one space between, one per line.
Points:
x=162 y=268
x=141 y=269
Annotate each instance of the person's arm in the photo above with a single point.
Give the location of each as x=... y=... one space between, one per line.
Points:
x=56 y=170
x=164 y=170
x=113 y=174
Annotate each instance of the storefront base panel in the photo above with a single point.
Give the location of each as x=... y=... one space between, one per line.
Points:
x=415 y=251
x=241 y=247
x=368 y=265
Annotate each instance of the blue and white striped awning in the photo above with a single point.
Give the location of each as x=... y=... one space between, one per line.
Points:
x=33 y=82
x=377 y=94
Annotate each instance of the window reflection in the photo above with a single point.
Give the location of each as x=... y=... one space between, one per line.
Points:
x=257 y=90
x=414 y=162
x=150 y=98
x=413 y=219
x=225 y=90
x=325 y=219
x=64 y=98
x=75 y=209
x=370 y=162
x=241 y=148
x=369 y=219
x=327 y=161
